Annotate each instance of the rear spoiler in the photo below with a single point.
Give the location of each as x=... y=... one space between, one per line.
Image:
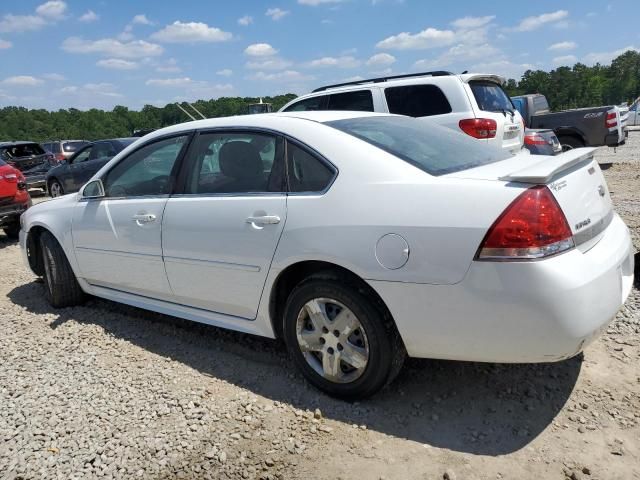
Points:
x=545 y=169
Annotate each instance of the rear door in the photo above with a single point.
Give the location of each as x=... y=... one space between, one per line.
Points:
x=220 y=234
x=491 y=101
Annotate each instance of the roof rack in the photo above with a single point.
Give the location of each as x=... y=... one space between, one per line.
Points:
x=435 y=73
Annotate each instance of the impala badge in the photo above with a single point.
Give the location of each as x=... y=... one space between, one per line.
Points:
x=601 y=191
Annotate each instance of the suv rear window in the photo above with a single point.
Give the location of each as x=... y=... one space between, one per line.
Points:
x=21 y=150
x=417 y=100
x=434 y=149
x=490 y=96
x=359 y=101
x=71 y=147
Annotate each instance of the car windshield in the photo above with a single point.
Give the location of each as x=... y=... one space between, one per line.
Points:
x=434 y=149
x=21 y=150
x=71 y=147
x=491 y=97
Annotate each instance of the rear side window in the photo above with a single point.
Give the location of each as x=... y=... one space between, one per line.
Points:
x=490 y=96
x=360 y=101
x=436 y=150
x=306 y=173
x=417 y=100
x=71 y=147
x=309 y=105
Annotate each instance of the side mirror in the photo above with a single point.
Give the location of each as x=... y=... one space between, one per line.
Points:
x=93 y=189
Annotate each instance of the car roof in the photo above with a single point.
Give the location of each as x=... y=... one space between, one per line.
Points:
x=16 y=143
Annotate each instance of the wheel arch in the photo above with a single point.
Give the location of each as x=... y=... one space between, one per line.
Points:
x=571 y=132
x=293 y=274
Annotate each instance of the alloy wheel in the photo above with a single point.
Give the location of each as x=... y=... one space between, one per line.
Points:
x=55 y=189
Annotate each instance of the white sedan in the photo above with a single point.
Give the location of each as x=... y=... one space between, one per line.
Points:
x=358 y=238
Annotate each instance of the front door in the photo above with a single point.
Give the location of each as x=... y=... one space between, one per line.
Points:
x=219 y=236
x=117 y=238
x=101 y=153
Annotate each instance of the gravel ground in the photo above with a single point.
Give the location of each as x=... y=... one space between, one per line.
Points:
x=107 y=391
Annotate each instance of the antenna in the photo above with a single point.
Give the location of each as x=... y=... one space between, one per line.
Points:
x=185 y=112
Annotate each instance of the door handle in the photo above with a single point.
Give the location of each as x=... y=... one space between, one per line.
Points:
x=264 y=220
x=144 y=218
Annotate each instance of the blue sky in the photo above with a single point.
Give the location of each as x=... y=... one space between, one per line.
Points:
x=84 y=54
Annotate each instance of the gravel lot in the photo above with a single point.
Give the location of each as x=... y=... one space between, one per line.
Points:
x=107 y=391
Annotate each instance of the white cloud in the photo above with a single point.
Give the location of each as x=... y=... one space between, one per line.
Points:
x=260 y=50
x=284 y=76
x=168 y=69
x=89 y=16
x=270 y=63
x=472 y=22
x=141 y=19
x=21 y=23
x=87 y=92
x=346 y=61
x=565 y=60
x=504 y=68
x=117 y=64
x=4 y=44
x=53 y=9
x=533 y=23
x=226 y=72
x=606 y=57
x=381 y=60
x=169 y=82
x=112 y=48
x=429 y=38
x=190 y=32
x=245 y=21
x=563 y=46
x=56 y=77
x=276 y=13
x=315 y=3
x=22 y=81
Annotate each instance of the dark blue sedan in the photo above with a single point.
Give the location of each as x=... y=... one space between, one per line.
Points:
x=72 y=174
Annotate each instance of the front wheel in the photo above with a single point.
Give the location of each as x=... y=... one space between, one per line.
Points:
x=341 y=338
x=60 y=284
x=55 y=189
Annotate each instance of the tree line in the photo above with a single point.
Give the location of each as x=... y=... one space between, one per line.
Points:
x=564 y=87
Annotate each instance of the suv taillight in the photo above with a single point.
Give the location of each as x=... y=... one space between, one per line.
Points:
x=532 y=227
x=611 y=119
x=59 y=157
x=479 y=127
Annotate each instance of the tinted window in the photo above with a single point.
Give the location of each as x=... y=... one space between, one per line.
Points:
x=103 y=149
x=417 y=100
x=306 y=173
x=70 y=147
x=21 y=151
x=436 y=150
x=235 y=163
x=147 y=171
x=490 y=96
x=310 y=104
x=358 y=101
x=82 y=156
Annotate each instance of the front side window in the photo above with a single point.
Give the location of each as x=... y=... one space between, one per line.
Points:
x=147 y=171
x=417 y=100
x=235 y=162
x=305 y=172
x=101 y=150
x=309 y=105
x=360 y=101
x=83 y=156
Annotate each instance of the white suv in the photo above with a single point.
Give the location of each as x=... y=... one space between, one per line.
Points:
x=474 y=104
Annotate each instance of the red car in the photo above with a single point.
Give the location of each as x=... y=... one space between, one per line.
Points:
x=14 y=199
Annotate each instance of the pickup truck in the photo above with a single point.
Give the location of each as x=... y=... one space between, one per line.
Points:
x=581 y=127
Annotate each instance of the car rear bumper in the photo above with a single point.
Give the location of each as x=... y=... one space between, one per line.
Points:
x=517 y=312
x=614 y=139
x=11 y=213
x=36 y=180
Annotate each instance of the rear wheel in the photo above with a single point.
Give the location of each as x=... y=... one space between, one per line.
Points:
x=55 y=189
x=12 y=231
x=60 y=284
x=341 y=339
x=569 y=143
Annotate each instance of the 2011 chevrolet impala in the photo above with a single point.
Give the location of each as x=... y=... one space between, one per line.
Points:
x=359 y=238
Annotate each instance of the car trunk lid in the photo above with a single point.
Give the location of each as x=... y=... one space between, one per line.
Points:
x=8 y=183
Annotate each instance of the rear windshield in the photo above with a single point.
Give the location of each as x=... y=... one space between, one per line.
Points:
x=434 y=149
x=21 y=151
x=71 y=147
x=491 y=97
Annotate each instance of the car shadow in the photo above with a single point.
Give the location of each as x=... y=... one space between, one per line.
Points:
x=6 y=241
x=487 y=409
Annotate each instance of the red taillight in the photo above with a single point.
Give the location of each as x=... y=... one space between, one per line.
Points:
x=533 y=226
x=479 y=127
x=59 y=157
x=10 y=177
x=534 y=139
x=612 y=120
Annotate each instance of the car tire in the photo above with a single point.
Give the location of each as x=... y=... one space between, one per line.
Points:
x=60 y=284
x=569 y=143
x=55 y=188
x=12 y=231
x=375 y=338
